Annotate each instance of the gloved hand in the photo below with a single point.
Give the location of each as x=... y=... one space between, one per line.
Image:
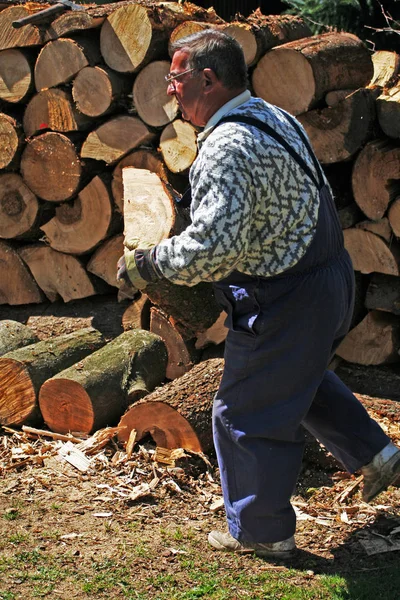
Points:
x=126 y=289
x=132 y=270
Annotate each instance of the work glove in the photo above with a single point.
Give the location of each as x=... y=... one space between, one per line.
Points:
x=132 y=271
x=125 y=288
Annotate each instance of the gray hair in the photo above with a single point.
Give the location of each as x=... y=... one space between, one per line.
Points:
x=218 y=51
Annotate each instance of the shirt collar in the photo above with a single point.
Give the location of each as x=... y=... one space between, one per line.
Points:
x=221 y=112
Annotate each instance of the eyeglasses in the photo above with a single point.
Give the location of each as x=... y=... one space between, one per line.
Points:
x=171 y=78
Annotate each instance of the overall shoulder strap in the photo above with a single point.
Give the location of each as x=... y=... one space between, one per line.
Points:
x=280 y=139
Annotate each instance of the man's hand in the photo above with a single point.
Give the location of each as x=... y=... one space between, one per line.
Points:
x=126 y=289
x=131 y=270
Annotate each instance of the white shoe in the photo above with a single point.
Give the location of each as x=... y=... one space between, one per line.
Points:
x=224 y=541
x=381 y=472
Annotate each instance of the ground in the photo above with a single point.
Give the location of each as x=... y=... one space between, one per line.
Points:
x=131 y=527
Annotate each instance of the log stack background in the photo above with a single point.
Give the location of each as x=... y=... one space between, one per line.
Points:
x=83 y=105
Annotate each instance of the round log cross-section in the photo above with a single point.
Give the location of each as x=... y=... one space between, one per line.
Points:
x=16 y=76
x=18 y=206
x=150 y=97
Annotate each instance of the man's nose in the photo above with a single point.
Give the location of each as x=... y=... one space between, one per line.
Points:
x=170 y=89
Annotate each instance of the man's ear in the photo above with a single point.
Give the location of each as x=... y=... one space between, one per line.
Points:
x=210 y=79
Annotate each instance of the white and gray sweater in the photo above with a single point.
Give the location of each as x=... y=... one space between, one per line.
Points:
x=253 y=208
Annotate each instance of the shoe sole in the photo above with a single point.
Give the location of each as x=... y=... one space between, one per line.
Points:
x=261 y=553
x=386 y=484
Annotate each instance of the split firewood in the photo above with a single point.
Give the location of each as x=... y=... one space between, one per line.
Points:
x=17 y=286
x=82 y=224
x=11 y=142
x=178 y=146
x=115 y=138
x=375 y=172
x=150 y=98
x=60 y=60
x=383 y=293
x=14 y=335
x=137 y=315
x=382 y=227
x=374 y=341
x=338 y=132
x=370 y=253
x=386 y=68
x=53 y=109
x=23 y=371
x=388 y=108
x=51 y=167
x=103 y=263
x=181 y=354
x=96 y=391
x=73 y=21
x=16 y=75
x=26 y=36
x=97 y=90
x=305 y=70
x=58 y=274
x=152 y=24
x=140 y=159
x=394 y=216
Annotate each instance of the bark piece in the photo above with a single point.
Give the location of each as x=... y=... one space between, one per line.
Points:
x=96 y=90
x=51 y=167
x=95 y=392
x=338 y=132
x=103 y=263
x=19 y=38
x=181 y=354
x=386 y=67
x=115 y=138
x=23 y=371
x=370 y=253
x=60 y=60
x=57 y=274
x=53 y=109
x=388 y=108
x=16 y=76
x=19 y=207
x=383 y=293
x=137 y=315
x=374 y=341
x=11 y=140
x=17 y=286
x=178 y=146
x=375 y=177
x=150 y=98
x=14 y=335
x=304 y=71
x=82 y=224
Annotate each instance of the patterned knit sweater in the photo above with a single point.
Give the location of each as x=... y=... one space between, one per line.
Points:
x=253 y=210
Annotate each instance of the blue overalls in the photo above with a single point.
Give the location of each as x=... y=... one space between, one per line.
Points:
x=283 y=332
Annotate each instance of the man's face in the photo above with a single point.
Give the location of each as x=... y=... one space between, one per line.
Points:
x=187 y=89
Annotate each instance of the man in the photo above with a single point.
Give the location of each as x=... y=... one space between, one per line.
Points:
x=265 y=231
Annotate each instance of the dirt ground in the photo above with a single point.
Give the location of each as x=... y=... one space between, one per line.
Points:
x=134 y=508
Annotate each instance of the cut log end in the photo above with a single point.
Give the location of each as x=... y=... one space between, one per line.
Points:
x=66 y=406
x=17 y=394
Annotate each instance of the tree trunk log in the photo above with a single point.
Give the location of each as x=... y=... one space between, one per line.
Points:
x=388 y=108
x=51 y=167
x=57 y=274
x=374 y=341
x=375 y=172
x=19 y=208
x=383 y=293
x=11 y=140
x=26 y=36
x=305 y=70
x=53 y=109
x=183 y=30
x=14 y=335
x=96 y=392
x=96 y=90
x=350 y=215
x=181 y=354
x=73 y=21
x=178 y=146
x=380 y=227
x=23 y=371
x=216 y=334
x=103 y=263
x=115 y=138
x=60 y=60
x=17 y=286
x=82 y=224
x=150 y=98
x=140 y=159
x=178 y=414
x=394 y=217
x=338 y=132
x=386 y=67
x=152 y=25
x=370 y=253
x=16 y=76
x=137 y=315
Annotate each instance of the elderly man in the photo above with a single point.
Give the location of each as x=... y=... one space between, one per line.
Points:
x=265 y=231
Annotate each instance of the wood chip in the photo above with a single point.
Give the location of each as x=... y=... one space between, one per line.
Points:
x=131 y=442
x=74 y=456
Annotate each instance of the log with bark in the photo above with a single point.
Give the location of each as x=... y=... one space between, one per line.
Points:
x=178 y=146
x=388 y=108
x=17 y=286
x=79 y=226
x=375 y=177
x=150 y=98
x=394 y=217
x=380 y=227
x=103 y=262
x=95 y=392
x=137 y=315
x=26 y=36
x=23 y=371
x=11 y=142
x=14 y=335
x=370 y=253
x=20 y=211
x=16 y=75
x=304 y=71
x=97 y=90
x=383 y=293
x=386 y=68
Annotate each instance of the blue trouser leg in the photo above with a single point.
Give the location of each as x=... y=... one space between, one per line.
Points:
x=275 y=380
